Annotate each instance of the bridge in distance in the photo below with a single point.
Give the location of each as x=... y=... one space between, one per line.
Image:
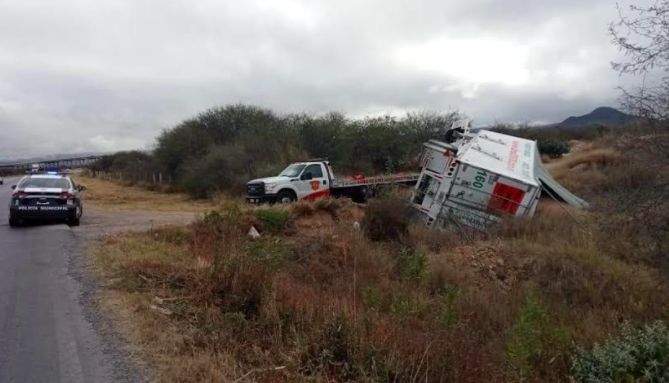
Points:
x=64 y=163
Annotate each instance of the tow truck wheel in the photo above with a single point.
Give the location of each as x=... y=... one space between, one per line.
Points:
x=285 y=196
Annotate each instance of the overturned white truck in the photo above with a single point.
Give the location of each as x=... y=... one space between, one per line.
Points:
x=474 y=179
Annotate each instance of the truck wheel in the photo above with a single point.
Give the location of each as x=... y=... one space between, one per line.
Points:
x=360 y=195
x=286 y=196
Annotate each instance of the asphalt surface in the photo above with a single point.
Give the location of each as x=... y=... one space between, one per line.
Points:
x=50 y=330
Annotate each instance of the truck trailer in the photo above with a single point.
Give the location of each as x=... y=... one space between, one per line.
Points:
x=476 y=179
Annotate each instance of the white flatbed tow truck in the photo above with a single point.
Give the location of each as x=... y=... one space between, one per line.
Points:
x=313 y=179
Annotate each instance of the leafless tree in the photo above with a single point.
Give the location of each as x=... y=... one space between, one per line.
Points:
x=642 y=34
x=639 y=205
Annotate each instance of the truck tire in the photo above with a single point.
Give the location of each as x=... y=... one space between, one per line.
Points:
x=286 y=196
x=360 y=195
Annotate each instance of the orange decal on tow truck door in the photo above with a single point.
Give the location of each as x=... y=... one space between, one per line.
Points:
x=315 y=185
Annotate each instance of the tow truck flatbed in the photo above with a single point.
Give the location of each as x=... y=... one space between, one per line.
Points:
x=411 y=178
x=314 y=179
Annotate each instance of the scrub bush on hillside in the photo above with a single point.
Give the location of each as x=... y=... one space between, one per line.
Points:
x=635 y=355
x=222 y=148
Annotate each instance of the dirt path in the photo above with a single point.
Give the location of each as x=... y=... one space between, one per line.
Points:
x=97 y=222
x=111 y=208
x=112 y=196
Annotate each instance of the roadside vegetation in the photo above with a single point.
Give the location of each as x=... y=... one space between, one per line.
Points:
x=222 y=148
x=335 y=291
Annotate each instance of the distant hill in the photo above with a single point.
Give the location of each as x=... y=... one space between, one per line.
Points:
x=603 y=115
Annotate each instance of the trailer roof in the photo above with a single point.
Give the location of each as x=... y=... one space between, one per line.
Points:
x=506 y=155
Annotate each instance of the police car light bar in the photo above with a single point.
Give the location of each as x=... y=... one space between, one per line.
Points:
x=56 y=171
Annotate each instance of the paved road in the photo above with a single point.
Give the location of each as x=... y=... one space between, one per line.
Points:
x=48 y=333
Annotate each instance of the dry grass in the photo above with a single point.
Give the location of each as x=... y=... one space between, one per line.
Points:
x=334 y=306
x=110 y=195
x=327 y=304
x=584 y=166
x=316 y=300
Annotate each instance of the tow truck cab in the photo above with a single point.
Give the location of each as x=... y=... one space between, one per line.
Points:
x=300 y=180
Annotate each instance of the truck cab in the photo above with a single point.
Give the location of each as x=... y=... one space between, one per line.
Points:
x=308 y=180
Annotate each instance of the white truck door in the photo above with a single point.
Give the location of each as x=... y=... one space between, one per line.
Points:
x=313 y=183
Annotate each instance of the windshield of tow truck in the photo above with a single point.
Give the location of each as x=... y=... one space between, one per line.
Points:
x=293 y=170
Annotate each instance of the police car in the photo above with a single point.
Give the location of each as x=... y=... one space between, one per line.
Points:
x=46 y=196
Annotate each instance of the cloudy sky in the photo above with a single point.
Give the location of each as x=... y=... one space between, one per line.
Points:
x=94 y=75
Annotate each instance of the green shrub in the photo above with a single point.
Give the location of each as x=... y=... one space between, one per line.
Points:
x=387 y=219
x=408 y=305
x=223 y=147
x=273 y=220
x=636 y=355
x=448 y=295
x=269 y=251
x=135 y=165
x=412 y=264
x=235 y=320
x=525 y=345
x=221 y=167
x=332 y=351
x=371 y=296
x=553 y=148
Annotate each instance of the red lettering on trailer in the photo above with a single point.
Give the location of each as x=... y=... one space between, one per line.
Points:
x=506 y=198
x=513 y=156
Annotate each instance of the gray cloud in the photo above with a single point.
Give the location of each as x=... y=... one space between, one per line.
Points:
x=77 y=75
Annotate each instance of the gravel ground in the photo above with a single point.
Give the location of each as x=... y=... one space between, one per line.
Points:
x=94 y=224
